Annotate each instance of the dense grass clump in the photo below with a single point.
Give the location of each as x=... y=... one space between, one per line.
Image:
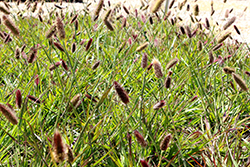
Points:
x=121 y=87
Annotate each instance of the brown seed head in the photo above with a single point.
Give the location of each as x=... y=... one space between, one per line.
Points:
x=196 y=10
x=98 y=8
x=126 y=9
x=73 y=47
x=157 y=6
x=9 y=114
x=69 y=153
x=10 y=25
x=188 y=32
x=121 y=93
x=107 y=15
x=211 y=57
x=73 y=102
x=159 y=105
x=34 y=99
x=237 y=30
x=59 y=147
x=50 y=32
x=4 y=10
x=95 y=65
x=172 y=63
x=165 y=142
x=140 y=138
x=167 y=82
x=18 y=98
x=109 y=25
x=224 y=37
x=217 y=47
x=32 y=55
x=54 y=66
x=64 y=65
x=144 y=163
x=199 y=47
x=60 y=28
x=144 y=60
x=228 y=70
x=229 y=23
x=58 y=46
x=73 y=19
x=17 y=53
x=142 y=47
x=89 y=44
x=157 y=68
x=240 y=82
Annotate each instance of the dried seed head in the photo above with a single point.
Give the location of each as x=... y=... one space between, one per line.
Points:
x=107 y=15
x=64 y=65
x=58 y=46
x=237 y=30
x=98 y=8
x=172 y=63
x=69 y=153
x=18 y=98
x=159 y=105
x=76 y=24
x=171 y=4
x=73 y=19
x=34 y=7
x=40 y=18
x=196 y=10
x=58 y=147
x=4 y=10
x=211 y=57
x=121 y=93
x=17 y=53
x=54 y=66
x=144 y=163
x=224 y=37
x=157 y=68
x=151 y=20
x=9 y=113
x=207 y=23
x=157 y=6
x=73 y=102
x=165 y=142
x=142 y=47
x=10 y=25
x=144 y=60
x=124 y=22
x=95 y=65
x=73 y=47
x=229 y=23
x=188 y=32
x=217 y=47
x=89 y=44
x=23 y=47
x=50 y=32
x=140 y=138
x=228 y=70
x=240 y=82
x=32 y=55
x=182 y=30
x=167 y=82
x=248 y=73
x=109 y=25
x=199 y=47
x=60 y=28
x=126 y=9
x=34 y=99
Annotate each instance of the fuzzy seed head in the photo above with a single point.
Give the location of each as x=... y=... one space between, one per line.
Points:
x=211 y=57
x=98 y=8
x=54 y=66
x=10 y=25
x=165 y=142
x=58 y=46
x=50 y=32
x=140 y=138
x=157 y=6
x=60 y=28
x=144 y=163
x=157 y=68
x=69 y=153
x=188 y=32
x=73 y=47
x=96 y=65
x=144 y=60
x=109 y=25
x=196 y=10
x=159 y=105
x=34 y=99
x=17 y=53
x=121 y=93
x=228 y=70
x=240 y=82
x=59 y=147
x=18 y=98
x=229 y=23
x=167 y=82
x=64 y=65
x=126 y=9
x=217 y=47
x=224 y=37
x=237 y=30
x=172 y=63
x=142 y=47
x=32 y=55
x=9 y=114
x=89 y=44
x=4 y=10
x=73 y=102
x=199 y=47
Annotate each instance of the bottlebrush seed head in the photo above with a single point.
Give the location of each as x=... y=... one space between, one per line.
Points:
x=34 y=99
x=107 y=15
x=124 y=22
x=69 y=154
x=50 y=32
x=172 y=63
x=157 y=68
x=248 y=73
x=142 y=47
x=126 y=9
x=240 y=82
x=89 y=44
x=224 y=37
x=217 y=47
x=60 y=28
x=188 y=32
x=17 y=53
x=165 y=142
x=167 y=82
x=98 y=8
x=159 y=105
x=121 y=93
x=228 y=70
x=171 y=4
x=32 y=55
x=58 y=46
x=40 y=18
x=18 y=98
x=144 y=163
x=157 y=6
x=196 y=10
x=54 y=66
x=229 y=23
x=10 y=25
x=73 y=19
x=95 y=65
x=144 y=60
x=199 y=47
x=211 y=57
x=140 y=138
x=4 y=10
x=59 y=147
x=64 y=65
x=73 y=47
x=9 y=114
x=73 y=102
x=109 y=25
x=237 y=30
